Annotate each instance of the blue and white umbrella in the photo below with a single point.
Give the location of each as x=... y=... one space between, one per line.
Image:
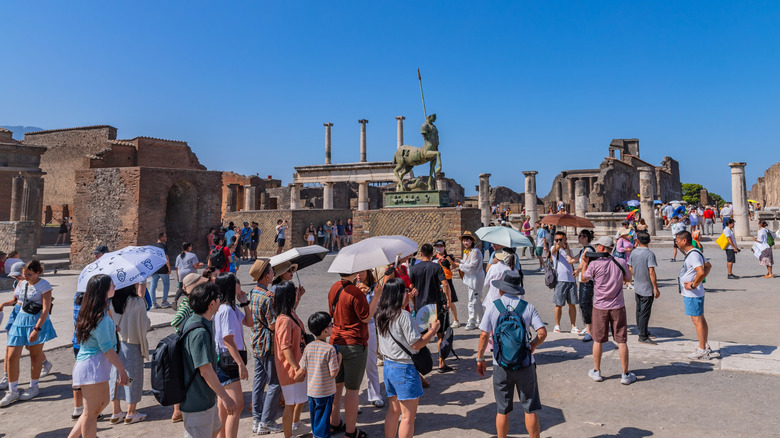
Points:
x=504 y=236
x=126 y=267
x=633 y=203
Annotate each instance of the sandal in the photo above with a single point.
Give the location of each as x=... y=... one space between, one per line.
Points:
x=424 y=382
x=339 y=428
x=135 y=418
x=177 y=418
x=117 y=418
x=356 y=434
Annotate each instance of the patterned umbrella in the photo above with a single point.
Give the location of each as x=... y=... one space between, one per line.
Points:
x=126 y=267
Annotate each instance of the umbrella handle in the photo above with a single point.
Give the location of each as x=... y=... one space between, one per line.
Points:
x=298 y=278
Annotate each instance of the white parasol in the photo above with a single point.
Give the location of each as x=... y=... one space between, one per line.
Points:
x=371 y=253
x=128 y=266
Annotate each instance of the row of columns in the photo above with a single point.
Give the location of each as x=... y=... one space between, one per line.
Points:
x=250 y=197
x=363 y=123
x=327 y=196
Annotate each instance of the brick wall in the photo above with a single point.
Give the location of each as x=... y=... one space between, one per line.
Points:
x=18 y=236
x=170 y=154
x=423 y=225
x=66 y=154
x=298 y=221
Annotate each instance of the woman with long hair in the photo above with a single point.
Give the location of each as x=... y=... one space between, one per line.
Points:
x=765 y=258
x=129 y=313
x=96 y=332
x=186 y=263
x=366 y=282
x=288 y=350
x=30 y=329
x=398 y=336
x=231 y=351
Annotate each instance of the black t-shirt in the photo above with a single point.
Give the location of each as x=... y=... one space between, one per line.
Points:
x=255 y=236
x=427 y=277
x=164 y=268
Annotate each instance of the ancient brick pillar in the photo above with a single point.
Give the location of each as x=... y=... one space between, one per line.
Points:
x=739 y=200
x=295 y=196
x=17 y=193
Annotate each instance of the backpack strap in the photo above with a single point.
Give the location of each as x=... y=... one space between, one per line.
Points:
x=499 y=305
x=183 y=335
x=400 y=344
x=336 y=300
x=618 y=265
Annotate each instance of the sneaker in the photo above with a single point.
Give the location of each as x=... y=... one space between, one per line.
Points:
x=732 y=277
x=587 y=337
x=255 y=426
x=557 y=329
x=700 y=354
x=269 y=428
x=77 y=413
x=647 y=341
x=378 y=403
x=4 y=383
x=10 y=397
x=455 y=324
x=575 y=330
x=165 y=305
x=117 y=418
x=155 y=306
x=471 y=326
x=595 y=375
x=627 y=379
x=29 y=394
x=296 y=426
x=631 y=285
x=673 y=260
x=46 y=368
x=135 y=418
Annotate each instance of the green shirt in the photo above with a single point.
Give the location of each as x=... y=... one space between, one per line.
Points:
x=199 y=349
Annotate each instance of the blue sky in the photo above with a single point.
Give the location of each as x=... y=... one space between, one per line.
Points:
x=516 y=85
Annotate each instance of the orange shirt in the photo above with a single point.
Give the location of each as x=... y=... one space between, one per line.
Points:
x=287 y=334
x=351 y=309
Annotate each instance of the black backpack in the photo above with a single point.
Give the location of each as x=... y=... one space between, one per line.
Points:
x=217 y=258
x=168 y=367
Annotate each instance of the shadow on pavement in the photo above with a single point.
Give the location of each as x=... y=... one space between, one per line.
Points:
x=627 y=432
x=746 y=349
x=483 y=419
x=673 y=369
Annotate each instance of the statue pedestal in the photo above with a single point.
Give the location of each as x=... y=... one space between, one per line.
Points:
x=427 y=198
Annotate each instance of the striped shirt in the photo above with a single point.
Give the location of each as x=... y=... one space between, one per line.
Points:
x=183 y=311
x=320 y=360
x=261 y=306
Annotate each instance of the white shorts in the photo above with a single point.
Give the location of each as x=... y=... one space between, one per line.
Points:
x=203 y=424
x=295 y=394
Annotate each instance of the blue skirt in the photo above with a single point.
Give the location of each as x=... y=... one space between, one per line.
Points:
x=12 y=316
x=19 y=333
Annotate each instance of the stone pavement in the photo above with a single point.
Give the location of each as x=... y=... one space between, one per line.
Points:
x=673 y=396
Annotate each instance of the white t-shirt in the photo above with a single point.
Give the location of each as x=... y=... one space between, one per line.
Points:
x=677 y=228
x=563 y=268
x=34 y=292
x=540 y=235
x=725 y=211
x=762 y=235
x=227 y=321
x=490 y=319
x=688 y=274
x=728 y=232
x=186 y=265
x=668 y=211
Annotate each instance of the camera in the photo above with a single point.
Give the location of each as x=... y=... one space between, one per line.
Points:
x=593 y=255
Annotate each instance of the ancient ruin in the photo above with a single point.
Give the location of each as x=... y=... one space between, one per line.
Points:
x=766 y=191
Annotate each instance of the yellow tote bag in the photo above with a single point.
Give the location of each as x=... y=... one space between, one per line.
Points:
x=723 y=241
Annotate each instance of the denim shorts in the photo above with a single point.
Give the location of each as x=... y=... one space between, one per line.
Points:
x=226 y=378
x=402 y=380
x=694 y=306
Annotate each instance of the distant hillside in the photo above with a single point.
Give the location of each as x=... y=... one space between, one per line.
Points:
x=19 y=131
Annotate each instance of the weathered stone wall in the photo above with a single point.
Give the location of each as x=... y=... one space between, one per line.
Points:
x=767 y=189
x=18 y=236
x=125 y=206
x=501 y=195
x=170 y=154
x=297 y=220
x=67 y=151
x=423 y=225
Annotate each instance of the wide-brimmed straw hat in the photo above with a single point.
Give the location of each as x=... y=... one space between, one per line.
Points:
x=190 y=279
x=468 y=234
x=258 y=268
x=284 y=267
x=509 y=283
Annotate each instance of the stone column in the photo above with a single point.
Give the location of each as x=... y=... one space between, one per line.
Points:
x=327 y=196
x=572 y=197
x=581 y=198
x=363 y=195
x=363 y=140
x=646 y=196
x=739 y=200
x=559 y=190
x=231 y=198
x=264 y=201
x=250 y=197
x=484 y=198
x=17 y=193
x=441 y=183
x=295 y=196
x=400 y=134
x=530 y=196
x=27 y=200
x=327 y=141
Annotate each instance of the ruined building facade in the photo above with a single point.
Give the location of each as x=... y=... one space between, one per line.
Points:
x=766 y=190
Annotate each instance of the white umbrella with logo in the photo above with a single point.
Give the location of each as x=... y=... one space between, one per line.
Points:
x=126 y=267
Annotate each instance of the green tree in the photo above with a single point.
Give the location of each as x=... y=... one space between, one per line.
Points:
x=691 y=193
x=718 y=199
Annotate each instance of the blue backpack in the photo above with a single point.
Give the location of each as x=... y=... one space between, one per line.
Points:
x=511 y=346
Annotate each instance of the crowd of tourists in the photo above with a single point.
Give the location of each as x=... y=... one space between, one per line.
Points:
x=369 y=319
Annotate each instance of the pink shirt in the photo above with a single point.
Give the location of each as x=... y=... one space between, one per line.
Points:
x=607 y=282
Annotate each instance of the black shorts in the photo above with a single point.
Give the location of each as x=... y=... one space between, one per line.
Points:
x=586 y=301
x=731 y=256
x=280 y=242
x=253 y=246
x=453 y=294
x=524 y=380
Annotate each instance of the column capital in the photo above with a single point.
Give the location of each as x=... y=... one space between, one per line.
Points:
x=400 y=118
x=737 y=165
x=484 y=175
x=530 y=172
x=362 y=121
x=327 y=124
